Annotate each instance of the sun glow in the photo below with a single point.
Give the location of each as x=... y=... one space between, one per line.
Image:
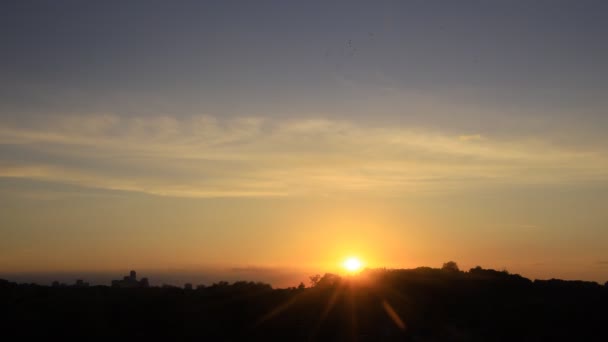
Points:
x=352 y=264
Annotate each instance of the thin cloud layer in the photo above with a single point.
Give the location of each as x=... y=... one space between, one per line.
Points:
x=204 y=156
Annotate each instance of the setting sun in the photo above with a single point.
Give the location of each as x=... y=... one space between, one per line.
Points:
x=352 y=264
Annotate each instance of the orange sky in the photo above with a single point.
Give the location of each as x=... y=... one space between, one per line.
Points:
x=204 y=135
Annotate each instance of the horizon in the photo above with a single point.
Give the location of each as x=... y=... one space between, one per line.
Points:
x=284 y=137
x=280 y=278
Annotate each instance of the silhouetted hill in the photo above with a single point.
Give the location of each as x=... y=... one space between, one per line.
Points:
x=377 y=305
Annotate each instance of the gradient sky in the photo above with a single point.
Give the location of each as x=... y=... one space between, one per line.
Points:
x=289 y=135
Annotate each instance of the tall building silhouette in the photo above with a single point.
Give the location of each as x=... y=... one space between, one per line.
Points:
x=131 y=281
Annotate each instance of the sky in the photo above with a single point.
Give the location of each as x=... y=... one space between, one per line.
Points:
x=280 y=136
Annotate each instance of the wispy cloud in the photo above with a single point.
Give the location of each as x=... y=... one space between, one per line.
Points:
x=204 y=156
x=471 y=137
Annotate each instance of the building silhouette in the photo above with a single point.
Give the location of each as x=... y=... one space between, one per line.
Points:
x=131 y=281
x=81 y=283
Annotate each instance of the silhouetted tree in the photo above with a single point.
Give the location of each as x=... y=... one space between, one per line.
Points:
x=477 y=269
x=314 y=280
x=450 y=266
x=329 y=279
x=301 y=286
x=480 y=305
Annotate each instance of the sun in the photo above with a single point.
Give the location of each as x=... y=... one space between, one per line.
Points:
x=352 y=264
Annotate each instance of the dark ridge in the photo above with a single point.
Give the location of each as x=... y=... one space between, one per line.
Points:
x=422 y=304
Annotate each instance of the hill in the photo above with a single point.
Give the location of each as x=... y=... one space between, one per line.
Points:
x=376 y=305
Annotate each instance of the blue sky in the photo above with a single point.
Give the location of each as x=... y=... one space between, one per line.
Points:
x=285 y=58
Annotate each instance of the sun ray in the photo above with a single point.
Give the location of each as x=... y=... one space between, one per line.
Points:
x=336 y=293
x=393 y=315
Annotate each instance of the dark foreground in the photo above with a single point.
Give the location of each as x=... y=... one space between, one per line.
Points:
x=411 y=305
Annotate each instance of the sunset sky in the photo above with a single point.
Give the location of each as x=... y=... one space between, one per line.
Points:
x=286 y=135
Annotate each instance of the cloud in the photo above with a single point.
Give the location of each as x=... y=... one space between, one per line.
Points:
x=203 y=156
x=473 y=137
